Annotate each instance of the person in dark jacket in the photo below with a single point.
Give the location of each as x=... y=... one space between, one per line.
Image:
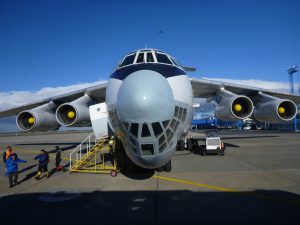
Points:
x=11 y=164
x=58 y=160
x=43 y=159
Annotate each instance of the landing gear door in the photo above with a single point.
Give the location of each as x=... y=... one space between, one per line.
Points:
x=99 y=120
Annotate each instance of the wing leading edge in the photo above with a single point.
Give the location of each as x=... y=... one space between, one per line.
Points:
x=204 y=88
x=97 y=92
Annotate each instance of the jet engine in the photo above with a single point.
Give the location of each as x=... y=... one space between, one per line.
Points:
x=232 y=107
x=75 y=113
x=272 y=109
x=41 y=118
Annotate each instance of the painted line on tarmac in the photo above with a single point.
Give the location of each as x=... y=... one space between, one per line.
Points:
x=194 y=184
x=217 y=188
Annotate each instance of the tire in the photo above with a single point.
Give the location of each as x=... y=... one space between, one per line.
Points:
x=195 y=143
x=113 y=173
x=203 y=152
x=168 y=166
x=160 y=169
x=181 y=145
x=189 y=144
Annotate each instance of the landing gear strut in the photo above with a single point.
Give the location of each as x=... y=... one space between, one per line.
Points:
x=187 y=143
x=167 y=167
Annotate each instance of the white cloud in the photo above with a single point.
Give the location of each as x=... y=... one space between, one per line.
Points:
x=16 y=98
x=271 y=85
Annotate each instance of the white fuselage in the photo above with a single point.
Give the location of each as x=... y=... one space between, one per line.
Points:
x=149 y=112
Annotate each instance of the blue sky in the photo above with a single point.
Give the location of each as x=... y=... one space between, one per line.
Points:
x=57 y=43
x=60 y=43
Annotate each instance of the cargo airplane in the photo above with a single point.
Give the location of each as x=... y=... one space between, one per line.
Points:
x=148 y=100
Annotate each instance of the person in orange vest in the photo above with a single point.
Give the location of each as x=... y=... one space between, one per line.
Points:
x=7 y=153
x=11 y=165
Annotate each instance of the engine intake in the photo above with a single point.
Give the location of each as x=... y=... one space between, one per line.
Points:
x=232 y=107
x=75 y=113
x=41 y=118
x=272 y=109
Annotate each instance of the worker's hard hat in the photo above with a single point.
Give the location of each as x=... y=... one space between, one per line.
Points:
x=112 y=137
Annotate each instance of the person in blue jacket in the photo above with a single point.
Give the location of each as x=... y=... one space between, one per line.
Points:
x=11 y=165
x=43 y=159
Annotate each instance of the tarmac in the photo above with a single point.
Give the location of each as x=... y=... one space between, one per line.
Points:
x=256 y=182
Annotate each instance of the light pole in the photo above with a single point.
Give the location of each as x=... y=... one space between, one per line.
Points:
x=291 y=71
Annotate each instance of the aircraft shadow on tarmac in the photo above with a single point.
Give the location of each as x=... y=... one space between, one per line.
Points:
x=133 y=171
x=137 y=173
x=153 y=207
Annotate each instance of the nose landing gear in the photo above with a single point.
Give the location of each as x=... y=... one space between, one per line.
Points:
x=187 y=143
x=167 y=167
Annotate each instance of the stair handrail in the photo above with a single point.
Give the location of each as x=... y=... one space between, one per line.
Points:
x=87 y=140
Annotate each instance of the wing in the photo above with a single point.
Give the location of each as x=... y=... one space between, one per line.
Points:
x=96 y=92
x=204 y=88
x=234 y=102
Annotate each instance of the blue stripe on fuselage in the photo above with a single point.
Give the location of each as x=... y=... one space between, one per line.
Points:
x=165 y=70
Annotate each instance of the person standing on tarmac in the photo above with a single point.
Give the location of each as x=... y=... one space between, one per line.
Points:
x=111 y=143
x=11 y=164
x=7 y=153
x=43 y=158
x=58 y=160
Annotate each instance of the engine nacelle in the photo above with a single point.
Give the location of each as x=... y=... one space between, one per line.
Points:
x=75 y=113
x=231 y=107
x=272 y=109
x=41 y=118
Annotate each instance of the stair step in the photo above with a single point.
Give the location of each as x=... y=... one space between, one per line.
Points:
x=99 y=146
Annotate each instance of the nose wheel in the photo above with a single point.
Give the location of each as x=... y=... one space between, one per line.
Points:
x=113 y=173
x=167 y=167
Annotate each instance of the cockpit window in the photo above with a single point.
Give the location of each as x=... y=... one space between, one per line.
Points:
x=140 y=58
x=134 y=129
x=150 y=57
x=128 y=60
x=147 y=149
x=145 y=131
x=177 y=63
x=174 y=62
x=162 y=58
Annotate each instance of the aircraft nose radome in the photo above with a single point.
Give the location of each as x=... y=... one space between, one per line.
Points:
x=145 y=95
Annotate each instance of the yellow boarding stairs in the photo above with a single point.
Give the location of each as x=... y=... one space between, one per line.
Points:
x=97 y=158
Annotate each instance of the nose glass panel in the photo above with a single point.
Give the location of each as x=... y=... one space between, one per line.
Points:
x=150 y=139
